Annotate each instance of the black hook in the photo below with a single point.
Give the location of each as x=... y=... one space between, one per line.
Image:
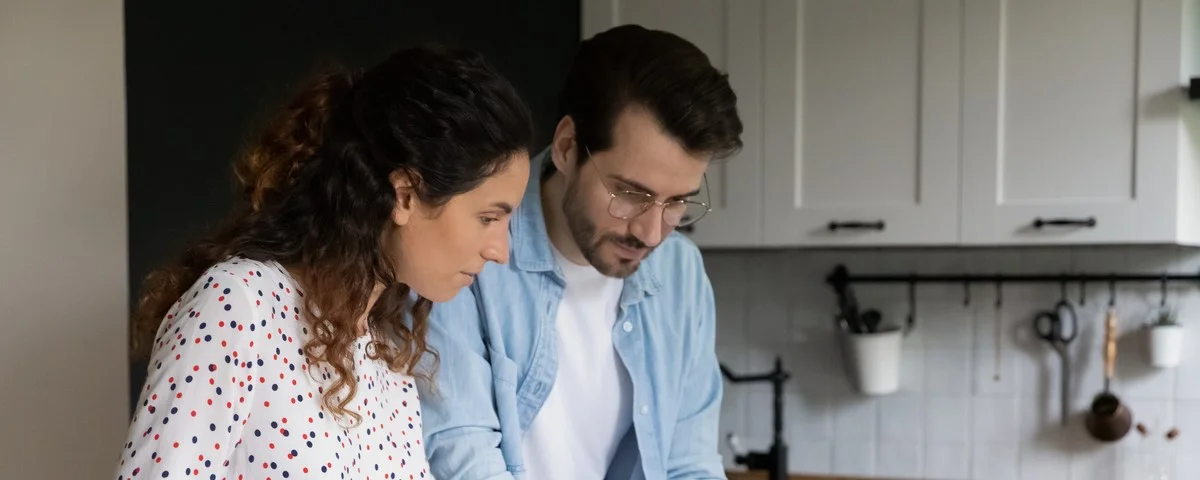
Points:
x=1112 y=291
x=1162 y=301
x=999 y=293
x=966 y=293
x=912 y=303
x=1062 y=286
x=1082 y=292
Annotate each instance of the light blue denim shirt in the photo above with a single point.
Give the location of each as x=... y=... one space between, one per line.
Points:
x=498 y=357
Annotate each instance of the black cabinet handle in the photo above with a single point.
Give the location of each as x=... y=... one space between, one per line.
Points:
x=836 y=225
x=1088 y=222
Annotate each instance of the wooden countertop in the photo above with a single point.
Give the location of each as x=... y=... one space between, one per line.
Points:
x=742 y=475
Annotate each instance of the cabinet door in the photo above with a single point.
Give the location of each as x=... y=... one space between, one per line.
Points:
x=1068 y=119
x=862 y=122
x=730 y=33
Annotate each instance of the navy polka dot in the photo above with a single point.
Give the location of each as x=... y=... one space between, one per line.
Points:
x=211 y=386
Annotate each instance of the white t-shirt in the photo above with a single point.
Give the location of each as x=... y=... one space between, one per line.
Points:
x=230 y=395
x=588 y=411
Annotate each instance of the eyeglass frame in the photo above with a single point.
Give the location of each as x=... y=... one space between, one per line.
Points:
x=651 y=201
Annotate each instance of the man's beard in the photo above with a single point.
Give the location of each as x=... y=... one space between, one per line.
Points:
x=583 y=231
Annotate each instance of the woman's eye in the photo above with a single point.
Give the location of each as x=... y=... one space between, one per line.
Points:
x=488 y=220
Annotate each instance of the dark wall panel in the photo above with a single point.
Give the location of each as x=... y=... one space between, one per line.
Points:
x=201 y=76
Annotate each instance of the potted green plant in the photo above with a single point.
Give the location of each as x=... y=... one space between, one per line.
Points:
x=1166 y=339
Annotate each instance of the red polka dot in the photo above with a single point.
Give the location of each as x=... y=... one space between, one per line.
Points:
x=261 y=423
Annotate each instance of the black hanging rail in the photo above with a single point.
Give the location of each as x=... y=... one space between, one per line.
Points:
x=841 y=277
x=851 y=318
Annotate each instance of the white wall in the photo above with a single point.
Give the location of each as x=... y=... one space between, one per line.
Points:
x=63 y=254
x=951 y=420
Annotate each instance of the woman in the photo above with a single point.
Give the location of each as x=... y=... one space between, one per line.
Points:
x=287 y=345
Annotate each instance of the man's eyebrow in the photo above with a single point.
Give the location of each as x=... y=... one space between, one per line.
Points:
x=643 y=189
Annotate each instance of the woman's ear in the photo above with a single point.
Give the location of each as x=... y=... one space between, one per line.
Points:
x=406 y=197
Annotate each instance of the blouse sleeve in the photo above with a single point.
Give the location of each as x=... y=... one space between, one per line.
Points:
x=199 y=386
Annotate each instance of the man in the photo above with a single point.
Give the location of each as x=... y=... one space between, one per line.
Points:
x=590 y=354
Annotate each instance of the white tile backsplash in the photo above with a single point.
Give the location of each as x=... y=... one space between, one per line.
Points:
x=995 y=460
x=855 y=418
x=947 y=461
x=901 y=418
x=947 y=371
x=952 y=418
x=853 y=457
x=994 y=419
x=899 y=459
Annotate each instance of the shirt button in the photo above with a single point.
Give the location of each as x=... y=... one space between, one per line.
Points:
x=627 y=327
x=645 y=409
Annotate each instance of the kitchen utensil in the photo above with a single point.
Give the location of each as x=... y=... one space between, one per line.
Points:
x=1109 y=419
x=1059 y=328
x=871 y=319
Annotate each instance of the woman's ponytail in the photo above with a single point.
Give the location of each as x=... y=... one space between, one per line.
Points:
x=290 y=139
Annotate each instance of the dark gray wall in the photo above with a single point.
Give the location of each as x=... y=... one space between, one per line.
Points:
x=199 y=77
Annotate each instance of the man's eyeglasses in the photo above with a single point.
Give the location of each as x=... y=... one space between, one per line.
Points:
x=626 y=204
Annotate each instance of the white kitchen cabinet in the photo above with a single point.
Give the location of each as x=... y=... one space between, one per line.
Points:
x=862 y=118
x=948 y=122
x=730 y=33
x=1073 y=114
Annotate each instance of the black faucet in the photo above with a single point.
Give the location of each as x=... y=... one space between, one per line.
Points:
x=774 y=461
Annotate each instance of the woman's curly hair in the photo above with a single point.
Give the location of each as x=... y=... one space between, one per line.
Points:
x=317 y=196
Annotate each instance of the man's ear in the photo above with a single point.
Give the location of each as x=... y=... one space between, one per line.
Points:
x=406 y=197
x=564 y=150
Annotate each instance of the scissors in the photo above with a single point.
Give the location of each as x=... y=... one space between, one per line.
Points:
x=1059 y=328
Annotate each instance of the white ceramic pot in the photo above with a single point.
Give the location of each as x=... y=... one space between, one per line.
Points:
x=1166 y=345
x=874 y=360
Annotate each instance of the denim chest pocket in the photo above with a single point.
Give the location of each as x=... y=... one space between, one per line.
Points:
x=504 y=390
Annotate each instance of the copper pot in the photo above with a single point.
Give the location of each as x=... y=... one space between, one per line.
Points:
x=1109 y=419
